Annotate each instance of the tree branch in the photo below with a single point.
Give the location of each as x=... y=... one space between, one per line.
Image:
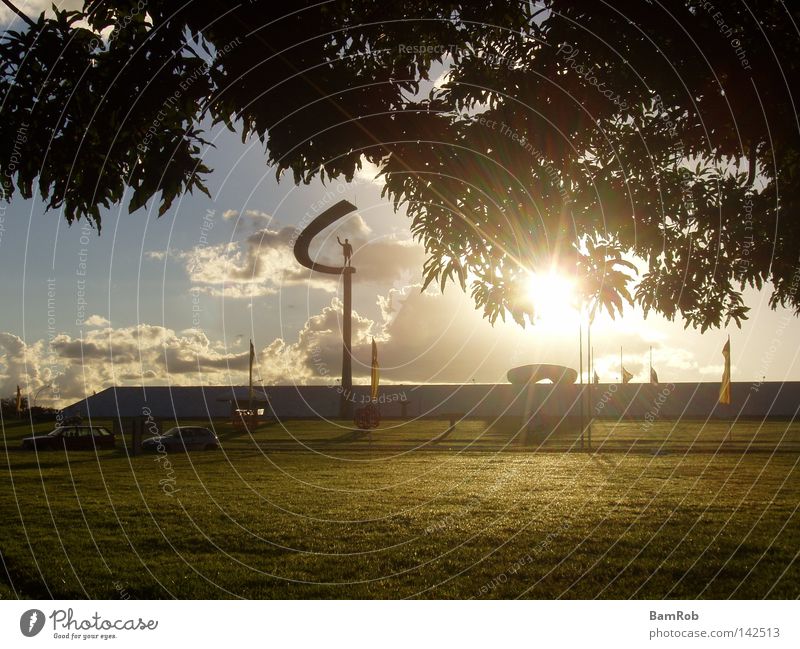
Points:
x=191 y=49
x=751 y=172
x=8 y=4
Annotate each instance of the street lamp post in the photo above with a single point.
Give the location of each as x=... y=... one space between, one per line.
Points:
x=586 y=430
x=590 y=377
x=580 y=374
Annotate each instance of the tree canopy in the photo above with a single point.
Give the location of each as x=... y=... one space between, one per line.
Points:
x=575 y=133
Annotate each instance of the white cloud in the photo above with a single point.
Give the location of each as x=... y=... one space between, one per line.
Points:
x=249 y=219
x=263 y=262
x=317 y=354
x=96 y=321
x=368 y=173
x=441 y=338
x=135 y=355
x=422 y=337
x=19 y=363
x=677 y=358
x=32 y=8
x=442 y=79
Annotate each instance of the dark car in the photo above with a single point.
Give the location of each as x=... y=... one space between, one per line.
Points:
x=191 y=438
x=72 y=438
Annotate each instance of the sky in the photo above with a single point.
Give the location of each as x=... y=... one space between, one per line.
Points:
x=174 y=300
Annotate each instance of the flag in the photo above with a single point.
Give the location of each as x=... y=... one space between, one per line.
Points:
x=19 y=401
x=252 y=358
x=596 y=378
x=375 y=372
x=626 y=376
x=725 y=386
x=653 y=375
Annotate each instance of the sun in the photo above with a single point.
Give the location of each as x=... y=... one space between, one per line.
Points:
x=554 y=298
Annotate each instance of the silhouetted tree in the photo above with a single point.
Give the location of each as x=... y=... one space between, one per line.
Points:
x=663 y=130
x=9 y=405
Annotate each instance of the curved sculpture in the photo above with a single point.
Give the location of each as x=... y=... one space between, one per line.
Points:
x=328 y=217
x=558 y=374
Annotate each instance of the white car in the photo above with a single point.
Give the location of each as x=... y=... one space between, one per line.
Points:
x=190 y=438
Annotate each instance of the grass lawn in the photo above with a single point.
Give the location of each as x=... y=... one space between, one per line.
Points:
x=313 y=509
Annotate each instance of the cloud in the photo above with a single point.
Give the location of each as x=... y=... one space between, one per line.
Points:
x=442 y=79
x=441 y=338
x=422 y=337
x=316 y=356
x=681 y=359
x=96 y=321
x=249 y=219
x=32 y=9
x=137 y=355
x=714 y=370
x=263 y=262
x=368 y=173
x=668 y=361
x=18 y=363
x=260 y=265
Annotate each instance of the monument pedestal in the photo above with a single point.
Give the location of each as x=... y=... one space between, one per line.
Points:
x=346 y=404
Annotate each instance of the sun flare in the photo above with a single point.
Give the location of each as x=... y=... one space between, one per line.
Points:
x=554 y=299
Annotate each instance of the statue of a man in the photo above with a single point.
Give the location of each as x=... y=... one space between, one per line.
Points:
x=347 y=250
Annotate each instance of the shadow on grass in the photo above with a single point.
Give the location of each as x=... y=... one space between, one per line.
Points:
x=236 y=433
x=355 y=435
x=52 y=459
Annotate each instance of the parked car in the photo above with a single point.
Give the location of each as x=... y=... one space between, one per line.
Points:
x=72 y=438
x=191 y=438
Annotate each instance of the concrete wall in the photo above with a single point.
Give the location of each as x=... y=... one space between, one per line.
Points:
x=637 y=401
x=693 y=400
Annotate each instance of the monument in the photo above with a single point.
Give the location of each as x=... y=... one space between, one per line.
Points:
x=301 y=253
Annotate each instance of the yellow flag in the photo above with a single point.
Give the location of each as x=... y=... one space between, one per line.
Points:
x=626 y=376
x=252 y=358
x=725 y=386
x=375 y=371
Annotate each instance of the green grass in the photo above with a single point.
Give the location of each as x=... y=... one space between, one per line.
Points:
x=312 y=509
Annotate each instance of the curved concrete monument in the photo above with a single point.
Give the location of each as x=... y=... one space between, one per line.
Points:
x=557 y=374
x=328 y=217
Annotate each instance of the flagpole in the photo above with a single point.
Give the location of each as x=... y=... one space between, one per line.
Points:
x=728 y=362
x=591 y=403
x=621 y=377
x=250 y=395
x=589 y=379
x=580 y=364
